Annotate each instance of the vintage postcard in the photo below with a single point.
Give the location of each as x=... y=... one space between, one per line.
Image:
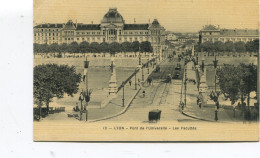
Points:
x=145 y=70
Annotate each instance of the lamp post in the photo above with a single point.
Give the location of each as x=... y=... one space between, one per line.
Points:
x=140 y=62
x=135 y=79
x=123 y=99
x=215 y=62
x=148 y=65
x=202 y=60
x=216 y=114
x=81 y=98
x=87 y=95
x=142 y=72
x=185 y=85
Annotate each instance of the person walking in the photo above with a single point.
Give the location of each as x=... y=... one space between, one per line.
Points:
x=130 y=82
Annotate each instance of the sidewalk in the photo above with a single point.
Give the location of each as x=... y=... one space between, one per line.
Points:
x=207 y=112
x=114 y=107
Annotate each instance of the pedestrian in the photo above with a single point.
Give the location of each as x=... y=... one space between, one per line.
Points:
x=138 y=82
x=149 y=80
x=130 y=82
x=217 y=104
x=182 y=106
x=143 y=93
x=200 y=102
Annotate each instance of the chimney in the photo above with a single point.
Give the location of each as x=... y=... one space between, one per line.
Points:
x=76 y=23
x=48 y=24
x=91 y=22
x=55 y=25
x=246 y=30
x=134 y=21
x=63 y=25
x=218 y=27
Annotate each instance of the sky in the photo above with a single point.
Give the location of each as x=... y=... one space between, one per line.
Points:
x=173 y=15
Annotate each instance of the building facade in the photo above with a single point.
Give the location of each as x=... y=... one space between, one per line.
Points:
x=171 y=37
x=111 y=29
x=213 y=34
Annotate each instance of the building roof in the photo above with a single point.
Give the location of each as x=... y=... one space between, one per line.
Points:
x=155 y=24
x=70 y=25
x=136 y=26
x=112 y=16
x=88 y=27
x=48 y=26
x=210 y=28
x=234 y=32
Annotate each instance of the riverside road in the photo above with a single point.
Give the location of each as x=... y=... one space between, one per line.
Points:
x=159 y=95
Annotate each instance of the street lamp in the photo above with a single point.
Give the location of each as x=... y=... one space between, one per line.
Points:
x=185 y=85
x=135 y=79
x=148 y=65
x=202 y=60
x=87 y=93
x=142 y=72
x=81 y=98
x=123 y=99
x=216 y=114
x=214 y=96
x=215 y=62
x=140 y=62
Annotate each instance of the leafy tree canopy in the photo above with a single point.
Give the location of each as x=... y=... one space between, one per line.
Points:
x=52 y=80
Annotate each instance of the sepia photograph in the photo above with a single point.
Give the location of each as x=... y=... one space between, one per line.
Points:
x=150 y=70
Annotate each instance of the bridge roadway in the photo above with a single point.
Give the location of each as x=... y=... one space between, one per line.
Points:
x=160 y=95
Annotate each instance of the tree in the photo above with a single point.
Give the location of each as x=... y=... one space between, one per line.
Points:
x=249 y=78
x=83 y=47
x=135 y=46
x=189 y=42
x=229 y=46
x=52 y=80
x=45 y=48
x=104 y=47
x=237 y=81
x=240 y=47
x=219 y=46
x=36 y=49
x=64 y=48
x=73 y=47
x=114 y=47
x=256 y=45
x=54 y=47
x=94 y=47
x=126 y=47
x=229 y=78
x=208 y=46
x=146 y=47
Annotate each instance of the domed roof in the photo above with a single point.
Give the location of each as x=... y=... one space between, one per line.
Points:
x=69 y=25
x=155 y=22
x=112 y=16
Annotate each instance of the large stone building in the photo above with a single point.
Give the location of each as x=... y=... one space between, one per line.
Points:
x=213 y=33
x=112 y=29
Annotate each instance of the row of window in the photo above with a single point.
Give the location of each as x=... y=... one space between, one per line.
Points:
x=45 y=30
x=136 y=33
x=88 y=33
x=46 y=34
x=109 y=38
x=98 y=33
x=229 y=39
x=155 y=31
x=50 y=38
